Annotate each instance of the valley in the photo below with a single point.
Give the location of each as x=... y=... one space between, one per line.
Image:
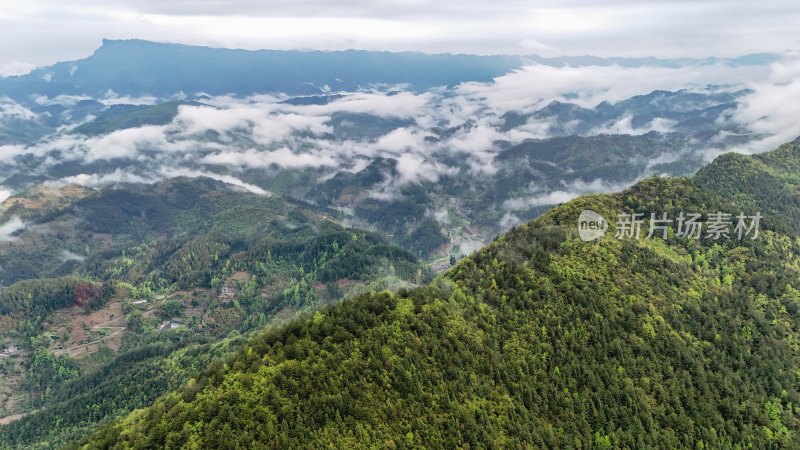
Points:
x=218 y=248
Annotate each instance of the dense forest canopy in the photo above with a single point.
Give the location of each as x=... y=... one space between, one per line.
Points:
x=539 y=340
x=174 y=276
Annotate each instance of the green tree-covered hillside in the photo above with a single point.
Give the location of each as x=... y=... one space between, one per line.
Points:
x=540 y=340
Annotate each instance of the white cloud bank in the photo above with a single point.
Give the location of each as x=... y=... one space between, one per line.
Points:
x=568 y=192
x=5 y=194
x=10 y=227
x=772 y=110
x=438 y=133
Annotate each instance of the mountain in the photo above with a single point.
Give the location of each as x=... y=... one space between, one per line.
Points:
x=137 y=68
x=768 y=182
x=539 y=340
x=430 y=197
x=432 y=151
x=69 y=229
x=691 y=113
x=113 y=297
x=122 y=117
x=179 y=226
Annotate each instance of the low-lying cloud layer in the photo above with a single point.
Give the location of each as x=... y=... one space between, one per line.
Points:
x=9 y=227
x=446 y=132
x=771 y=111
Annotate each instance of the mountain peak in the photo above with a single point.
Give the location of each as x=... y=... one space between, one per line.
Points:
x=138 y=67
x=529 y=325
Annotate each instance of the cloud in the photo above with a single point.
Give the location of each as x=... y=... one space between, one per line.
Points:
x=447 y=131
x=283 y=157
x=67 y=255
x=443 y=133
x=280 y=126
x=14 y=68
x=9 y=152
x=569 y=191
x=119 y=176
x=477 y=142
x=415 y=168
x=449 y=128
x=625 y=126
x=200 y=119
x=411 y=168
x=10 y=227
x=508 y=220
x=112 y=98
x=233 y=181
x=402 y=105
x=667 y=157
x=100 y=180
x=534 y=86
x=5 y=194
x=475 y=139
x=62 y=100
x=532 y=129
x=11 y=109
x=772 y=108
x=126 y=143
x=466 y=245
x=400 y=139
x=550 y=198
x=261 y=132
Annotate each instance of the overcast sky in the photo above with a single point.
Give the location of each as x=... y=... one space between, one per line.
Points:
x=41 y=32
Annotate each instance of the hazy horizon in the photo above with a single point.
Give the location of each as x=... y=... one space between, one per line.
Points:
x=579 y=27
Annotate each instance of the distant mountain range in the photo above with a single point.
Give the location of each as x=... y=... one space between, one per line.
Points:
x=420 y=147
x=137 y=68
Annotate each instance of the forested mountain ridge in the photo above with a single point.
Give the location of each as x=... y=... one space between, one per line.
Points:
x=122 y=294
x=540 y=340
x=154 y=225
x=769 y=182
